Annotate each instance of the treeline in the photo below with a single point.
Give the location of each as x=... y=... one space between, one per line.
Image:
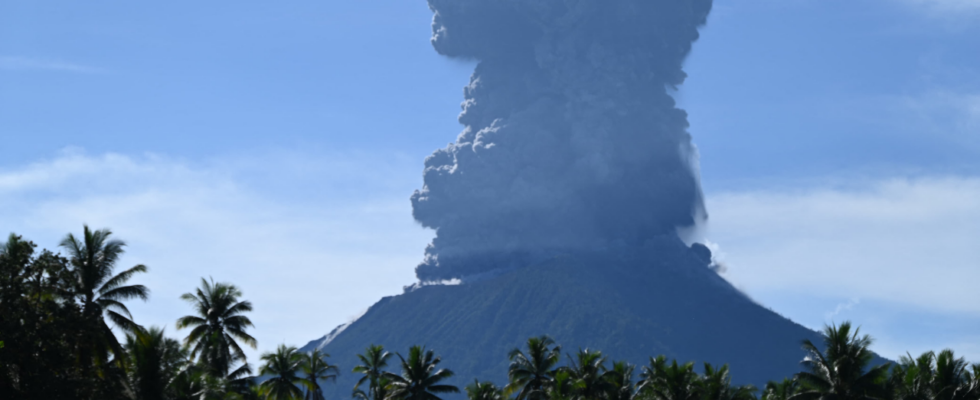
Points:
x=842 y=371
x=56 y=342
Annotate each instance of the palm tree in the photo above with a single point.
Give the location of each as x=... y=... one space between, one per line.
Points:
x=949 y=382
x=841 y=373
x=93 y=260
x=155 y=361
x=419 y=379
x=716 y=384
x=216 y=388
x=621 y=381
x=220 y=320
x=911 y=377
x=931 y=377
x=380 y=392
x=973 y=382
x=561 y=387
x=283 y=366
x=373 y=362
x=315 y=368
x=484 y=391
x=589 y=375
x=780 y=390
x=531 y=374
x=669 y=382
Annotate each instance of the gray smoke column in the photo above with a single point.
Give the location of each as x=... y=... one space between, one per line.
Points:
x=571 y=139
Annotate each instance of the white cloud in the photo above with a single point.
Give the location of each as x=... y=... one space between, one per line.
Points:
x=904 y=241
x=17 y=63
x=305 y=260
x=312 y=238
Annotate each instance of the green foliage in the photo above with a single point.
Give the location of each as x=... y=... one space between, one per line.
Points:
x=93 y=260
x=49 y=351
x=282 y=368
x=315 y=368
x=154 y=362
x=621 y=381
x=933 y=377
x=218 y=325
x=562 y=387
x=841 y=372
x=782 y=390
x=716 y=384
x=419 y=379
x=532 y=375
x=590 y=379
x=484 y=391
x=380 y=392
x=210 y=387
x=373 y=362
x=660 y=381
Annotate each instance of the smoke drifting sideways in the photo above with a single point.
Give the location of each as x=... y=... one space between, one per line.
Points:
x=571 y=139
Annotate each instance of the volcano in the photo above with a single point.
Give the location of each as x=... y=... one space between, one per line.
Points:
x=629 y=303
x=556 y=210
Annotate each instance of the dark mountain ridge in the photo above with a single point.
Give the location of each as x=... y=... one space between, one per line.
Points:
x=629 y=302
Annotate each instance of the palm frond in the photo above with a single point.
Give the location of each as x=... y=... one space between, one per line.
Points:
x=244 y=337
x=127 y=292
x=190 y=320
x=122 y=322
x=121 y=278
x=107 y=304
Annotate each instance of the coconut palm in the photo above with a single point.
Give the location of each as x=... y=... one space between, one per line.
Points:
x=380 y=392
x=780 y=390
x=194 y=383
x=315 y=368
x=620 y=378
x=531 y=374
x=419 y=379
x=187 y=383
x=668 y=382
x=283 y=367
x=154 y=361
x=950 y=379
x=218 y=325
x=589 y=375
x=562 y=386
x=841 y=373
x=373 y=362
x=911 y=378
x=484 y=391
x=973 y=382
x=216 y=388
x=93 y=259
x=931 y=377
x=716 y=384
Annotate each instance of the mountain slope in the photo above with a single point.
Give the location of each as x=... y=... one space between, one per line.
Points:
x=630 y=303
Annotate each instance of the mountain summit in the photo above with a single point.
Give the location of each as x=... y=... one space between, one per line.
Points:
x=629 y=302
x=558 y=204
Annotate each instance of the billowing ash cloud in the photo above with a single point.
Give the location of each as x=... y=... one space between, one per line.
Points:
x=571 y=139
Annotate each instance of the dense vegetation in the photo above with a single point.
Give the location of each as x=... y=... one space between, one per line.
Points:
x=56 y=342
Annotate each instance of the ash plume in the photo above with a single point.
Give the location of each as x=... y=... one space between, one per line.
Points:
x=571 y=139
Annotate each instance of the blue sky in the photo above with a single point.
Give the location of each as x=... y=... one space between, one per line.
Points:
x=275 y=146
